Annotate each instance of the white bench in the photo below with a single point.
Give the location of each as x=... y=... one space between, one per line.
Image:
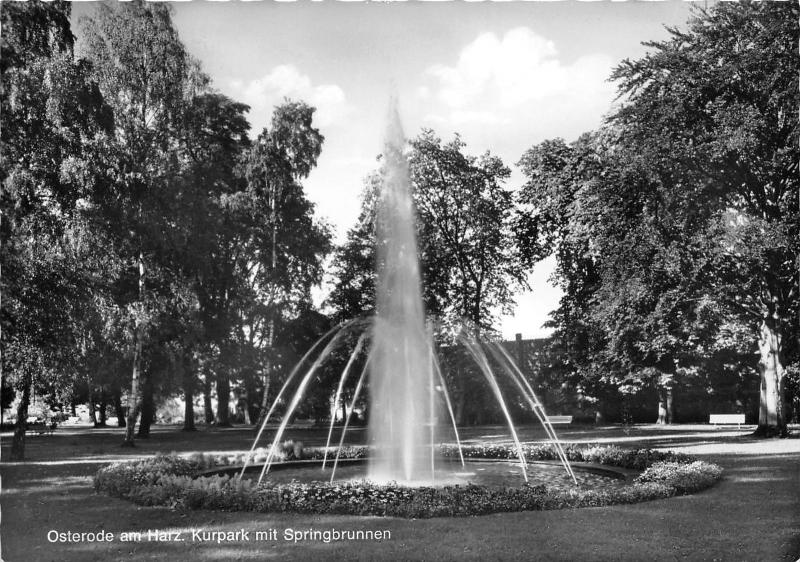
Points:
x=557 y=420
x=726 y=419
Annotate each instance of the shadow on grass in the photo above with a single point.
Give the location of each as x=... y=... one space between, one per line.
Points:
x=752 y=514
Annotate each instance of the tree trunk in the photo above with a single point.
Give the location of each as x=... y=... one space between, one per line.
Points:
x=271 y=326
x=18 y=442
x=245 y=407
x=264 y=397
x=223 y=400
x=251 y=395
x=120 y=411
x=92 y=409
x=188 y=394
x=102 y=421
x=208 y=410
x=772 y=406
x=670 y=406
x=148 y=408
x=662 y=407
x=137 y=364
x=666 y=411
x=188 y=410
x=665 y=380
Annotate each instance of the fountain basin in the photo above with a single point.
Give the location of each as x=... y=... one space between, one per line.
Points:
x=490 y=473
x=606 y=475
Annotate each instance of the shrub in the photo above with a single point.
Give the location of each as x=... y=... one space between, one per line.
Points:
x=119 y=479
x=685 y=478
x=170 y=480
x=292 y=450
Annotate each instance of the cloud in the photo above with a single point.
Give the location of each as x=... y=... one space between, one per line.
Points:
x=511 y=91
x=286 y=81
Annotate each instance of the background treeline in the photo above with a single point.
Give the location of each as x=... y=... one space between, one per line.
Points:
x=152 y=248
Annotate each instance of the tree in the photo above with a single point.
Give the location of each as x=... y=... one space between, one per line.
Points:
x=638 y=311
x=558 y=206
x=282 y=155
x=211 y=228
x=467 y=216
x=715 y=108
x=680 y=216
x=465 y=234
x=52 y=116
x=469 y=261
x=353 y=267
x=258 y=248
x=144 y=74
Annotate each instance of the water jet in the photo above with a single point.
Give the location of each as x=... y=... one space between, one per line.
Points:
x=408 y=396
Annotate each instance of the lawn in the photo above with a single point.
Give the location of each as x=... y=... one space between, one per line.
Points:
x=753 y=514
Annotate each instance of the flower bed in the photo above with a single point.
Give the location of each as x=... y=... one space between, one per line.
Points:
x=171 y=481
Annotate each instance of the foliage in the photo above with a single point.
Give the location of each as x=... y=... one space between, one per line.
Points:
x=685 y=478
x=709 y=110
x=637 y=459
x=467 y=219
x=53 y=118
x=121 y=478
x=134 y=214
x=469 y=263
x=679 y=217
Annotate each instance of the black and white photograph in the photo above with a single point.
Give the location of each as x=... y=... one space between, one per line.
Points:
x=400 y=280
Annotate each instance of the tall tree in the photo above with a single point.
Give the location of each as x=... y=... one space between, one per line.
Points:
x=212 y=228
x=681 y=216
x=561 y=208
x=714 y=107
x=353 y=267
x=468 y=216
x=52 y=115
x=466 y=221
x=145 y=75
x=291 y=243
x=469 y=261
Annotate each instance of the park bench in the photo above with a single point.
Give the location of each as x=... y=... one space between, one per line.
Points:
x=559 y=420
x=41 y=427
x=726 y=419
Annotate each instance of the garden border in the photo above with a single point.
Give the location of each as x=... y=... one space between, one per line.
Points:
x=174 y=481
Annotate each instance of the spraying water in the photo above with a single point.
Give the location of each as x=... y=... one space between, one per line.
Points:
x=406 y=385
x=402 y=414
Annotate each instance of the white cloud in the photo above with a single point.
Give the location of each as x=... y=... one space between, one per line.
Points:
x=508 y=92
x=286 y=81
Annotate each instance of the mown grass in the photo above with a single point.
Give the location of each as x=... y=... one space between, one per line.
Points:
x=752 y=514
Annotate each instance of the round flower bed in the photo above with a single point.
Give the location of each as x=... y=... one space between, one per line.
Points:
x=171 y=480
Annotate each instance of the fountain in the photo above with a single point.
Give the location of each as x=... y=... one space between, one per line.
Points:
x=407 y=390
x=401 y=376
x=405 y=476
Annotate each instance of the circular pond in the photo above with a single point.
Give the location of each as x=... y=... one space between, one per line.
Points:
x=487 y=473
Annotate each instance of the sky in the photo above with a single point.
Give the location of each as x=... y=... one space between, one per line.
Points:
x=504 y=75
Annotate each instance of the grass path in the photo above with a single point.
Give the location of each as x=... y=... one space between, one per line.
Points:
x=753 y=514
